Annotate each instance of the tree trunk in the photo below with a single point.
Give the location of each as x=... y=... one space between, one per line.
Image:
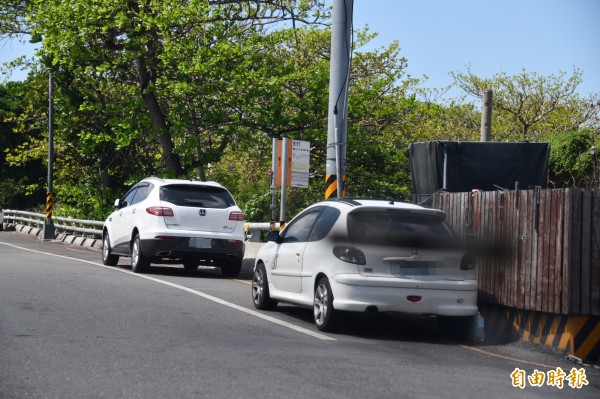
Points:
x=159 y=122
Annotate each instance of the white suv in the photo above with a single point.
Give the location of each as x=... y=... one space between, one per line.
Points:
x=176 y=222
x=368 y=256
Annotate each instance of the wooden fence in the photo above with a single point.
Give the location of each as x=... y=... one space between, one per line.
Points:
x=537 y=249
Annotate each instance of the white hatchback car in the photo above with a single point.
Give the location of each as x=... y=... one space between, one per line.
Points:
x=368 y=256
x=176 y=222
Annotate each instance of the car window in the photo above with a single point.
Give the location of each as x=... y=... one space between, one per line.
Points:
x=400 y=229
x=142 y=193
x=196 y=196
x=324 y=224
x=300 y=228
x=128 y=199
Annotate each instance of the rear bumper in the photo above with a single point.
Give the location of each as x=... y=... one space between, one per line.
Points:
x=353 y=292
x=179 y=248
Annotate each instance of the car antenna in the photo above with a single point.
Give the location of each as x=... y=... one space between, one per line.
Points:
x=392 y=202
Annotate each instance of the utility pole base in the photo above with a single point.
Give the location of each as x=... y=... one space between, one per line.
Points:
x=48 y=232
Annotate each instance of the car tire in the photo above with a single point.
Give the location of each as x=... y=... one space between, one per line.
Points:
x=231 y=268
x=260 y=290
x=139 y=263
x=107 y=257
x=325 y=316
x=455 y=327
x=190 y=265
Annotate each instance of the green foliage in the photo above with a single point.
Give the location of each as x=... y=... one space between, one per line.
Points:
x=574 y=159
x=527 y=105
x=21 y=182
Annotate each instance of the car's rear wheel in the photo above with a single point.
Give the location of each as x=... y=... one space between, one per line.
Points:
x=260 y=290
x=456 y=327
x=107 y=257
x=139 y=263
x=326 y=317
x=232 y=268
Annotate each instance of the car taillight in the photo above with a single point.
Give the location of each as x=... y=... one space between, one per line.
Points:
x=160 y=211
x=350 y=255
x=239 y=216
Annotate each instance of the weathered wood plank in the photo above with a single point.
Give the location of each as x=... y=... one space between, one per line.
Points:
x=595 y=256
x=525 y=256
x=566 y=304
x=517 y=250
x=511 y=245
x=552 y=245
x=575 y=253
x=586 y=261
x=542 y=227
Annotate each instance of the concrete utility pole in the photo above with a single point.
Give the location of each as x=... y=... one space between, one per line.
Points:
x=339 y=73
x=284 y=181
x=274 y=158
x=48 y=231
x=486 y=116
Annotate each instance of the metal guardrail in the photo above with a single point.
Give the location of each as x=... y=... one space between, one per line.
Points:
x=93 y=228
x=90 y=228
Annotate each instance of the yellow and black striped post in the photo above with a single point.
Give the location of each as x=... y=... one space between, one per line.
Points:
x=331 y=183
x=48 y=231
x=49 y=205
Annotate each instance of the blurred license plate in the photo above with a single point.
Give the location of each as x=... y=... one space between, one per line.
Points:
x=416 y=268
x=200 y=242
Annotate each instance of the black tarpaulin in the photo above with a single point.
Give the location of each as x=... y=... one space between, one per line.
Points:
x=484 y=166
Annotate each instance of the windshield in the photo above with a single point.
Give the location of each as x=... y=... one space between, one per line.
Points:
x=398 y=228
x=196 y=196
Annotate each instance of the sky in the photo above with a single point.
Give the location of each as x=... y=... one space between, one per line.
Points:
x=440 y=36
x=437 y=36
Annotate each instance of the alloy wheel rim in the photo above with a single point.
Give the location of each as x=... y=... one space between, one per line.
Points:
x=320 y=304
x=105 y=248
x=135 y=252
x=257 y=286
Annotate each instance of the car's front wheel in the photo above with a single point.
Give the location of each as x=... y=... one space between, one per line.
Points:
x=260 y=290
x=139 y=263
x=326 y=317
x=232 y=268
x=107 y=257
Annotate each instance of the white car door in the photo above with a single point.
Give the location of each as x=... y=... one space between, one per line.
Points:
x=118 y=232
x=286 y=268
x=125 y=218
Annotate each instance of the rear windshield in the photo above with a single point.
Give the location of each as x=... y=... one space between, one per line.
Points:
x=196 y=196
x=404 y=229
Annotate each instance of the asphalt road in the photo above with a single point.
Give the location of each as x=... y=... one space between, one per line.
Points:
x=73 y=328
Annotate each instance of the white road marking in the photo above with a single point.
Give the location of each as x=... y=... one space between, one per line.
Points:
x=191 y=291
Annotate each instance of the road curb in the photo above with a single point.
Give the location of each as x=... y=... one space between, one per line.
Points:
x=577 y=335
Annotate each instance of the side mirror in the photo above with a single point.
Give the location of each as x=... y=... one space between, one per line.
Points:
x=117 y=203
x=273 y=236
